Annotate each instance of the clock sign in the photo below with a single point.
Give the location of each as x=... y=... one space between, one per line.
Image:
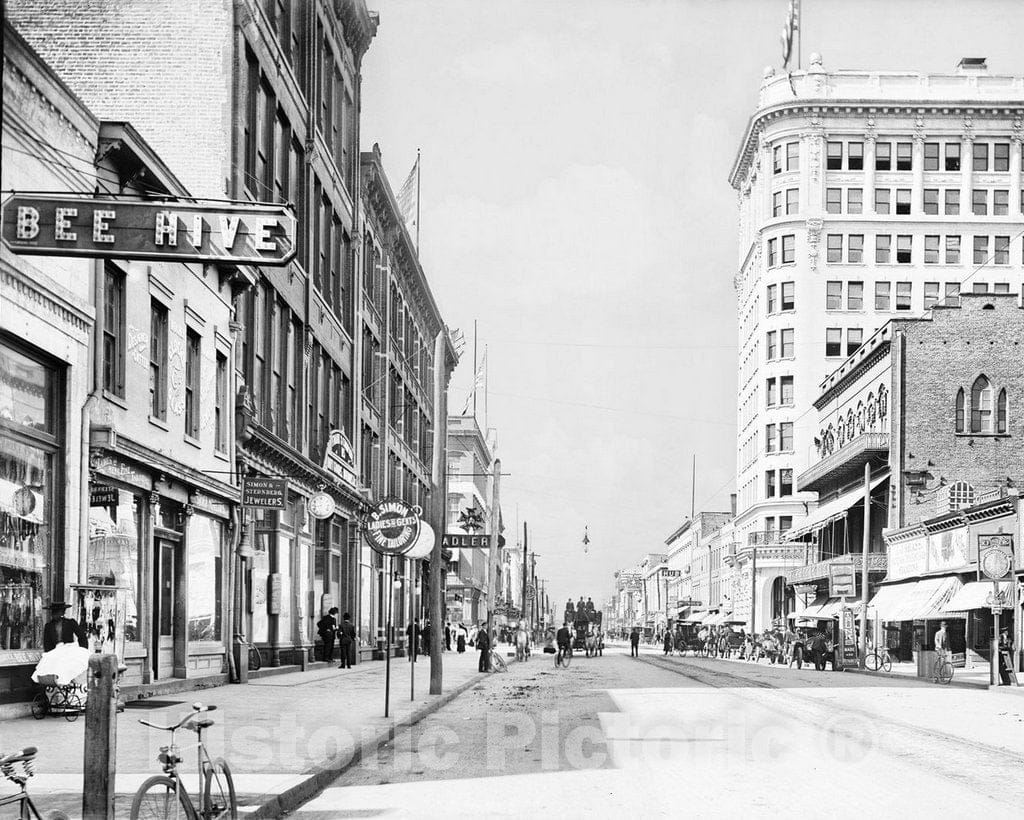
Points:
x=996 y=555
x=24 y=501
x=321 y=506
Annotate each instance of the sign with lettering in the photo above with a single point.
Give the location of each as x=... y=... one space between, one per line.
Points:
x=995 y=555
x=102 y=495
x=671 y=573
x=948 y=550
x=458 y=540
x=392 y=526
x=244 y=234
x=688 y=602
x=848 y=636
x=907 y=558
x=274 y=594
x=269 y=493
x=842 y=579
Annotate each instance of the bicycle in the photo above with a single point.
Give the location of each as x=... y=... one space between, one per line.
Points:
x=497 y=662
x=17 y=768
x=165 y=796
x=879 y=659
x=57 y=699
x=563 y=657
x=255 y=660
x=942 y=672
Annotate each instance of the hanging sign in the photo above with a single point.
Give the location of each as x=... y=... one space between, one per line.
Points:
x=995 y=555
x=842 y=579
x=321 y=505
x=459 y=540
x=392 y=526
x=269 y=493
x=52 y=225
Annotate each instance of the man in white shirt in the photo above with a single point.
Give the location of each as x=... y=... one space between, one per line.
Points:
x=942 y=641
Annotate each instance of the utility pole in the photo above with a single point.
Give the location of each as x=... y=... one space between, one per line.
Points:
x=492 y=553
x=526 y=560
x=864 y=566
x=438 y=505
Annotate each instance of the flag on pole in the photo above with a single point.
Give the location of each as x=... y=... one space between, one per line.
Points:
x=792 y=25
x=478 y=382
x=409 y=195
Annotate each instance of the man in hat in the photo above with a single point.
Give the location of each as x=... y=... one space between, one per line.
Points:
x=62 y=630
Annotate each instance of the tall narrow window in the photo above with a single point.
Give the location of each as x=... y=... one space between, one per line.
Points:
x=192 y=381
x=220 y=408
x=158 y=361
x=113 y=331
x=960 y=410
x=883 y=156
x=770 y=439
x=786 y=390
x=1001 y=408
x=904 y=156
x=981 y=406
x=786 y=482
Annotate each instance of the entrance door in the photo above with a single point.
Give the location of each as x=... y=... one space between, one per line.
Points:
x=164 y=596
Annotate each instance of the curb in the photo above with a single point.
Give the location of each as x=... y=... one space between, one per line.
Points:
x=320 y=779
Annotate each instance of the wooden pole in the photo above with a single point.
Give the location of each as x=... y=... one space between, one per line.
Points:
x=100 y=753
x=863 y=650
x=492 y=558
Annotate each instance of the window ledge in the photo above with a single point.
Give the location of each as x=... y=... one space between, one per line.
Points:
x=223 y=456
x=113 y=398
x=159 y=423
x=193 y=441
x=984 y=435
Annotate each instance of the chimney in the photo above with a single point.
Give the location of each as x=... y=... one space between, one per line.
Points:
x=732 y=504
x=971 y=65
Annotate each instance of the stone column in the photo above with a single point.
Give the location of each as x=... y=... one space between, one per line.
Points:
x=967 y=168
x=917 y=194
x=1016 y=182
x=869 y=170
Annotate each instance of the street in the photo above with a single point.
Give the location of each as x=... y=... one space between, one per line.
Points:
x=655 y=735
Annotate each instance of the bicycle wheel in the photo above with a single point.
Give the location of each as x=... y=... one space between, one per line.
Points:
x=219 y=792
x=886 y=663
x=40 y=706
x=72 y=707
x=255 y=660
x=872 y=661
x=567 y=659
x=155 y=800
x=943 y=671
x=498 y=663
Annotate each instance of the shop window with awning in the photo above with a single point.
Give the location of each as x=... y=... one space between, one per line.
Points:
x=809 y=611
x=925 y=599
x=975 y=595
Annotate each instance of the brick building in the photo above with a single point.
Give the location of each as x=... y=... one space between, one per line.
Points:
x=924 y=414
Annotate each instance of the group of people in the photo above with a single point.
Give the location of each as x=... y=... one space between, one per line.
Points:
x=330 y=630
x=789 y=645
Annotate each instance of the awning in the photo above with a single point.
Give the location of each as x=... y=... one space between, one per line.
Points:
x=830 y=609
x=916 y=600
x=716 y=618
x=975 y=595
x=832 y=510
x=809 y=610
x=694 y=617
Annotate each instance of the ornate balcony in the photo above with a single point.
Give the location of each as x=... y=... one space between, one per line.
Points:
x=846 y=464
x=877 y=562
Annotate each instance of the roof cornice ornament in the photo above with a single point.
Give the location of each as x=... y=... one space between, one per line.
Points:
x=814 y=227
x=1018 y=129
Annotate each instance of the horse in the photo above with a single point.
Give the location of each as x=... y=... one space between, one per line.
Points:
x=522 y=645
x=592 y=644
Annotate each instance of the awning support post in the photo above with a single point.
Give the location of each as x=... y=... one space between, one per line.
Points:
x=864 y=566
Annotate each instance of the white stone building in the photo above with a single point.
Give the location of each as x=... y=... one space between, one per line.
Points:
x=863 y=196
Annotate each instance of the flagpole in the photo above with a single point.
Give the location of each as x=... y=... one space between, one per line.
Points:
x=486 y=368
x=417 y=201
x=474 y=370
x=799 y=50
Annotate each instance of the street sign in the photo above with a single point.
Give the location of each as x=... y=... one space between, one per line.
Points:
x=161 y=230
x=688 y=602
x=268 y=493
x=842 y=579
x=392 y=526
x=459 y=540
x=995 y=555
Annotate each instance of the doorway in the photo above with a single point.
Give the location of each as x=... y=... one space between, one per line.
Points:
x=166 y=561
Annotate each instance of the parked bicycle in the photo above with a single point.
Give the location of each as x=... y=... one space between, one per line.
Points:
x=165 y=796
x=255 y=661
x=17 y=768
x=879 y=659
x=942 y=672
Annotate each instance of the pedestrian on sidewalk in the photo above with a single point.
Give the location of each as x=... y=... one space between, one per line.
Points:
x=668 y=642
x=819 y=646
x=634 y=643
x=461 y=639
x=448 y=637
x=346 y=641
x=412 y=639
x=327 y=628
x=426 y=637
x=483 y=645
x=62 y=630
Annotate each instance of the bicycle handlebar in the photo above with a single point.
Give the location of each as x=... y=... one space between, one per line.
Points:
x=197 y=708
x=27 y=753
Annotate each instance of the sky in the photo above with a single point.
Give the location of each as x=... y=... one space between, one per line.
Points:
x=575 y=203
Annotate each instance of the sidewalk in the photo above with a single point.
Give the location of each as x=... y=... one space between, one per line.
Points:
x=285 y=737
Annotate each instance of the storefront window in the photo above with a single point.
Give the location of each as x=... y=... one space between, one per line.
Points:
x=113 y=560
x=29 y=513
x=367 y=595
x=205 y=577
x=259 y=575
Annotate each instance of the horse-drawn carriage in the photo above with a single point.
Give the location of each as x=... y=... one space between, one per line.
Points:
x=586 y=625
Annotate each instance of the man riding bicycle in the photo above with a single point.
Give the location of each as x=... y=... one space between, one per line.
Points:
x=563 y=639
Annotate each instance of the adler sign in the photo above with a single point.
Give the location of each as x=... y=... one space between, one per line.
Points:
x=48 y=225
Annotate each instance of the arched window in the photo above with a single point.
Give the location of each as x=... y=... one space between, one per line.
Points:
x=1001 y=412
x=778 y=598
x=960 y=410
x=961 y=494
x=981 y=405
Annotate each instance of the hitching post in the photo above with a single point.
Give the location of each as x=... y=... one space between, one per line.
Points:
x=100 y=755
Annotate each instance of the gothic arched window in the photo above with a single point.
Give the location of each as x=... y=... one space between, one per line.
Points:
x=981 y=405
x=1001 y=412
x=960 y=410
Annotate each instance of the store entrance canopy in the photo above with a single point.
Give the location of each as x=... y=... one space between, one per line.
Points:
x=916 y=600
x=694 y=617
x=810 y=610
x=833 y=510
x=976 y=595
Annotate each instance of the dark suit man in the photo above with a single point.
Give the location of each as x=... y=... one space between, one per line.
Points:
x=483 y=645
x=62 y=630
x=327 y=628
x=346 y=641
x=412 y=639
x=634 y=643
x=447 y=637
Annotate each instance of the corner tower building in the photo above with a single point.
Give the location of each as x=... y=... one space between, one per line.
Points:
x=863 y=196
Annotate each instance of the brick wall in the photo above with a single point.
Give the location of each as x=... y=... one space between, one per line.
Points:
x=950 y=351
x=120 y=56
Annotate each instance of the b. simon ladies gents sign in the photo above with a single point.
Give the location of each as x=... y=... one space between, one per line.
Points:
x=393 y=526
